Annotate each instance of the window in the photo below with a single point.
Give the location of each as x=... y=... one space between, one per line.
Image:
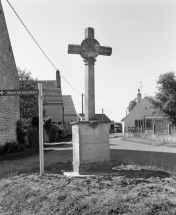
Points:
x=141 y=122
x=136 y=123
x=148 y=123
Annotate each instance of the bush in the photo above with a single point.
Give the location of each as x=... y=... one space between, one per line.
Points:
x=35 y=122
x=20 y=132
x=33 y=137
x=11 y=147
x=47 y=125
x=53 y=133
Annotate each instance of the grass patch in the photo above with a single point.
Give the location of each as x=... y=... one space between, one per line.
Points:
x=28 y=152
x=128 y=190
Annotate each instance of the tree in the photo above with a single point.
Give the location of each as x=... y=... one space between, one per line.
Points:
x=164 y=101
x=29 y=103
x=131 y=105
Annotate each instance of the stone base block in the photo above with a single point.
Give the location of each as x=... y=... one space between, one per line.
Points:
x=91 y=150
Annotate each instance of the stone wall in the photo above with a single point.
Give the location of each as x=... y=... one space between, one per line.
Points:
x=9 y=105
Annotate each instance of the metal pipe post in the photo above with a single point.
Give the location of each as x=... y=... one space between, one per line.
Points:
x=40 y=102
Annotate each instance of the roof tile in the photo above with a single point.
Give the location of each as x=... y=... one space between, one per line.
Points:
x=51 y=93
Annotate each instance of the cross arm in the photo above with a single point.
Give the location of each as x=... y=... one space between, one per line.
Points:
x=74 y=49
x=105 y=50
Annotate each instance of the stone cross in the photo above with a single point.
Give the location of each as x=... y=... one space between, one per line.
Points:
x=89 y=50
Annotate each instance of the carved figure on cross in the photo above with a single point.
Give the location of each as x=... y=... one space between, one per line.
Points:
x=89 y=49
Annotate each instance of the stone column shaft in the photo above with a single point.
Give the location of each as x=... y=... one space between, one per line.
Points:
x=89 y=90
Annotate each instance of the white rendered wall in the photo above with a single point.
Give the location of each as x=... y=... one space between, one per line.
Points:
x=138 y=113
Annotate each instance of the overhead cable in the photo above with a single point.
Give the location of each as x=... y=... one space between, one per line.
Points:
x=39 y=45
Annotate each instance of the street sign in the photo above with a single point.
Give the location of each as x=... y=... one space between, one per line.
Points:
x=18 y=92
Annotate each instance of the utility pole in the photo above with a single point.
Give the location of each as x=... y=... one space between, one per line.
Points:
x=82 y=105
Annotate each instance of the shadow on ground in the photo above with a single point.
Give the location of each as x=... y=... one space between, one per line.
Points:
x=162 y=160
x=61 y=160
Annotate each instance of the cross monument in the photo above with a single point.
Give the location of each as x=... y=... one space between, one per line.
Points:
x=89 y=49
x=91 y=152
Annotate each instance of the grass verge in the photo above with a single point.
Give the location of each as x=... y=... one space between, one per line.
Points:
x=129 y=189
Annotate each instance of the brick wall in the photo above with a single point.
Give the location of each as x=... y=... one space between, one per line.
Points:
x=9 y=106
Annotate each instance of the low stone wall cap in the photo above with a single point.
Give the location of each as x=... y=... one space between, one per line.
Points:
x=91 y=122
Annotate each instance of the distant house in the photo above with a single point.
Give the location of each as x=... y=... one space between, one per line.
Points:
x=58 y=107
x=70 y=114
x=52 y=101
x=142 y=116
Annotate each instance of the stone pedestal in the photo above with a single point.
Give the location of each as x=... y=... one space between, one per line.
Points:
x=91 y=149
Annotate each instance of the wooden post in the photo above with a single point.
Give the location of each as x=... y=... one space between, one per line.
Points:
x=169 y=129
x=128 y=131
x=154 y=129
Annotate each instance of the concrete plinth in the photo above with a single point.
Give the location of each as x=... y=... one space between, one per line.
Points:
x=91 y=150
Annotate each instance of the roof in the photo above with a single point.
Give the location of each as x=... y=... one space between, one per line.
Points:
x=98 y=116
x=51 y=93
x=131 y=112
x=69 y=108
x=136 y=108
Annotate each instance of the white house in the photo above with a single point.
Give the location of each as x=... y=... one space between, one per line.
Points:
x=60 y=108
x=70 y=114
x=142 y=116
x=52 y=101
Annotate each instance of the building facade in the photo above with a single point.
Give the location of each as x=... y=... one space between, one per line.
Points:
x=9 y=105
x=70 y=114
x=141 y=116
x=60 y=108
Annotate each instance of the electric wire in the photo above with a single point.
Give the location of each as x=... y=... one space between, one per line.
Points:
x=39 y=46
x=51 y=61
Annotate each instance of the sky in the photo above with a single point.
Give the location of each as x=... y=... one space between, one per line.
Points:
x=141 y=33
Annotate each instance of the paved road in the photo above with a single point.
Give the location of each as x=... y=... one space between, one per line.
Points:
x=121 y=152
x=117 y=143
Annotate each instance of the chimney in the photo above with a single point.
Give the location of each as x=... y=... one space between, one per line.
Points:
x=138 y=96
x=58 y=79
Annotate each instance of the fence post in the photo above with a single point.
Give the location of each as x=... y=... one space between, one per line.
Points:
x=127 y=131
x=154 y=129
x=169 y=129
